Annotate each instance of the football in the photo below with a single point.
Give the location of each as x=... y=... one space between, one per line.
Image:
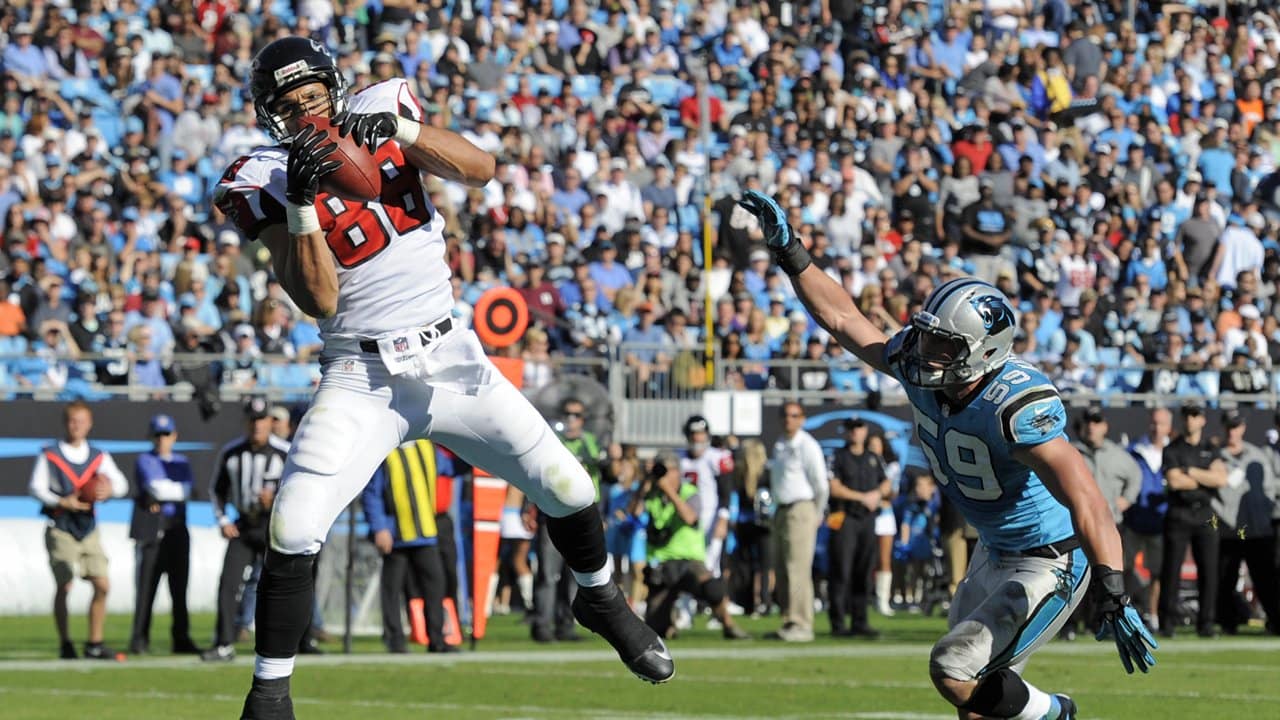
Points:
x=358 y=178
x=89 y=491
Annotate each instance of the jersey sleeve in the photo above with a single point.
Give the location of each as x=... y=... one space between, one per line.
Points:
x=1032 y=417
x=392 y=96
x=251 y=191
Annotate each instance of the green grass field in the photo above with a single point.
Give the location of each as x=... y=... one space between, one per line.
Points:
x=510 y=677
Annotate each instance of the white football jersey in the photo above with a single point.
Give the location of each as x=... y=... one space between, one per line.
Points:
x=702 y=471
x=390 y=253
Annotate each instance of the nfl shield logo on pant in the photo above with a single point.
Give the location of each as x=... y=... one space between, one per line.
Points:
x=401 y=344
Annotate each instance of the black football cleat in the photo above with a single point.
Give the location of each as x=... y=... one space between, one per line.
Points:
x=604 y=611
x=268 y=700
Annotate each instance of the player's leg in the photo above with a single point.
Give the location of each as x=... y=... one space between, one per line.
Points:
x=499 y=430
x=1024 y=602
x=340 y=442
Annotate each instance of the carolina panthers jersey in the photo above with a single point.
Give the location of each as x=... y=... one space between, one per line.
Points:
x=971 y=452
x=703 y=472
x=389 y=252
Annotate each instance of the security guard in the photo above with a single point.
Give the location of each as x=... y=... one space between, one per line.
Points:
x=1194 y=471
x=400 y=506
x=858 y=484
x=162 y=482
x=677 y=550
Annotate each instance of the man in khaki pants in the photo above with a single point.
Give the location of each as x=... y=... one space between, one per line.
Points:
x=61 y=470
x=800 y=483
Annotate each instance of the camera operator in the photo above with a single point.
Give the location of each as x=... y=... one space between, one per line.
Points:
x=677 y=550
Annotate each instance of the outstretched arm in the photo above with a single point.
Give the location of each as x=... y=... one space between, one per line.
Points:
x=822 y=296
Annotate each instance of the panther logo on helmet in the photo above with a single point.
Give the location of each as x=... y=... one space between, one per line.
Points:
x=995 y=313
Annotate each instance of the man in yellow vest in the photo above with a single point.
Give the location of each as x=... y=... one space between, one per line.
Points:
x=400 y=505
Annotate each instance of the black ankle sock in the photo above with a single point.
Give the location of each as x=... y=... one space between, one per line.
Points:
x=286 y=594
x=580 y=539
x=275 y=687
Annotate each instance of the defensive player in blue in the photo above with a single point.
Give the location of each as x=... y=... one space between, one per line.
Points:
x=992 y=428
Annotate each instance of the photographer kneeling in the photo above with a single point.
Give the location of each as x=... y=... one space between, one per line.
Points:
x=677 y=549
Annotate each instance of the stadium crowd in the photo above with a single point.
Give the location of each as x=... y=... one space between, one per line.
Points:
x=1111 y=174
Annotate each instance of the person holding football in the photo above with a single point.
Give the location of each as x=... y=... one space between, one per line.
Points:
x=68 y=478
x=991 y=427
x=395 y=364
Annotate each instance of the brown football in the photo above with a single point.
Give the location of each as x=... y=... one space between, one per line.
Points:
x=89 y=491
x=358 y=178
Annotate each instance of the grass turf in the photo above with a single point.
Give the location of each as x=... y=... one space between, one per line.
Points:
x=511 y=677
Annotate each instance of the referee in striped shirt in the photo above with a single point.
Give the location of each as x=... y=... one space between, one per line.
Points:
x=245 y=478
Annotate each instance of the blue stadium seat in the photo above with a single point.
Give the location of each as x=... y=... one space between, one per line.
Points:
x=486 y=101
x=586 y=87
x=201 y=73
x=551 y=83
x=665 y=90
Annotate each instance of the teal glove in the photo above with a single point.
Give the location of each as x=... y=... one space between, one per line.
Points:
x=1122 y=622
x=772 y=218
x=788 y=251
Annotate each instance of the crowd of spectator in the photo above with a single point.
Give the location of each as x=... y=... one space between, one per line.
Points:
x=1110 y=173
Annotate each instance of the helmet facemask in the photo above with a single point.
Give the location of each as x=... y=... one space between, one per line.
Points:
x=277 y=125
x=938 y=358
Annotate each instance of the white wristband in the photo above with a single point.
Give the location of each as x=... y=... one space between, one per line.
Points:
x=302 y=219
x=406 y=131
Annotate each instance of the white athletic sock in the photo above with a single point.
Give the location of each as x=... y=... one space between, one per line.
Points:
x=525 y=583
x=603 y=576
x=272 y=668
x=1037 y=706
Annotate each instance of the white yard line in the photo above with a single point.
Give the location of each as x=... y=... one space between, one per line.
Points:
x=762 y=651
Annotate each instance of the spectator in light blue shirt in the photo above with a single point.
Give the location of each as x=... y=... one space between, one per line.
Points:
x=24 y=59
x=1217 y=161
x=1073 y=327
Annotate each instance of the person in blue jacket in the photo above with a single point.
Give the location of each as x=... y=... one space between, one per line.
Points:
x=162 y=482
x=399 y=505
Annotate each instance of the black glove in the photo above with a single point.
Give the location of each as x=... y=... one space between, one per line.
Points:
x=307 y=165
x=367 y=130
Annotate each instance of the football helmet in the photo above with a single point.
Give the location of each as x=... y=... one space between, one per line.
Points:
x=285 y=64
x=697 y=424
x=964 y=331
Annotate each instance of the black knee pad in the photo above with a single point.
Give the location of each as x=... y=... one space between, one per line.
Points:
x=1002 y=694
x=580 y=539
x=713 y=591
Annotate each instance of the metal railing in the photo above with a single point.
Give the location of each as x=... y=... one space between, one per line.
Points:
x=650 y=389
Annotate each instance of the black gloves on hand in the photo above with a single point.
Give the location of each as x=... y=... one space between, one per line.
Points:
x=307 y=165
x=367 y=130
